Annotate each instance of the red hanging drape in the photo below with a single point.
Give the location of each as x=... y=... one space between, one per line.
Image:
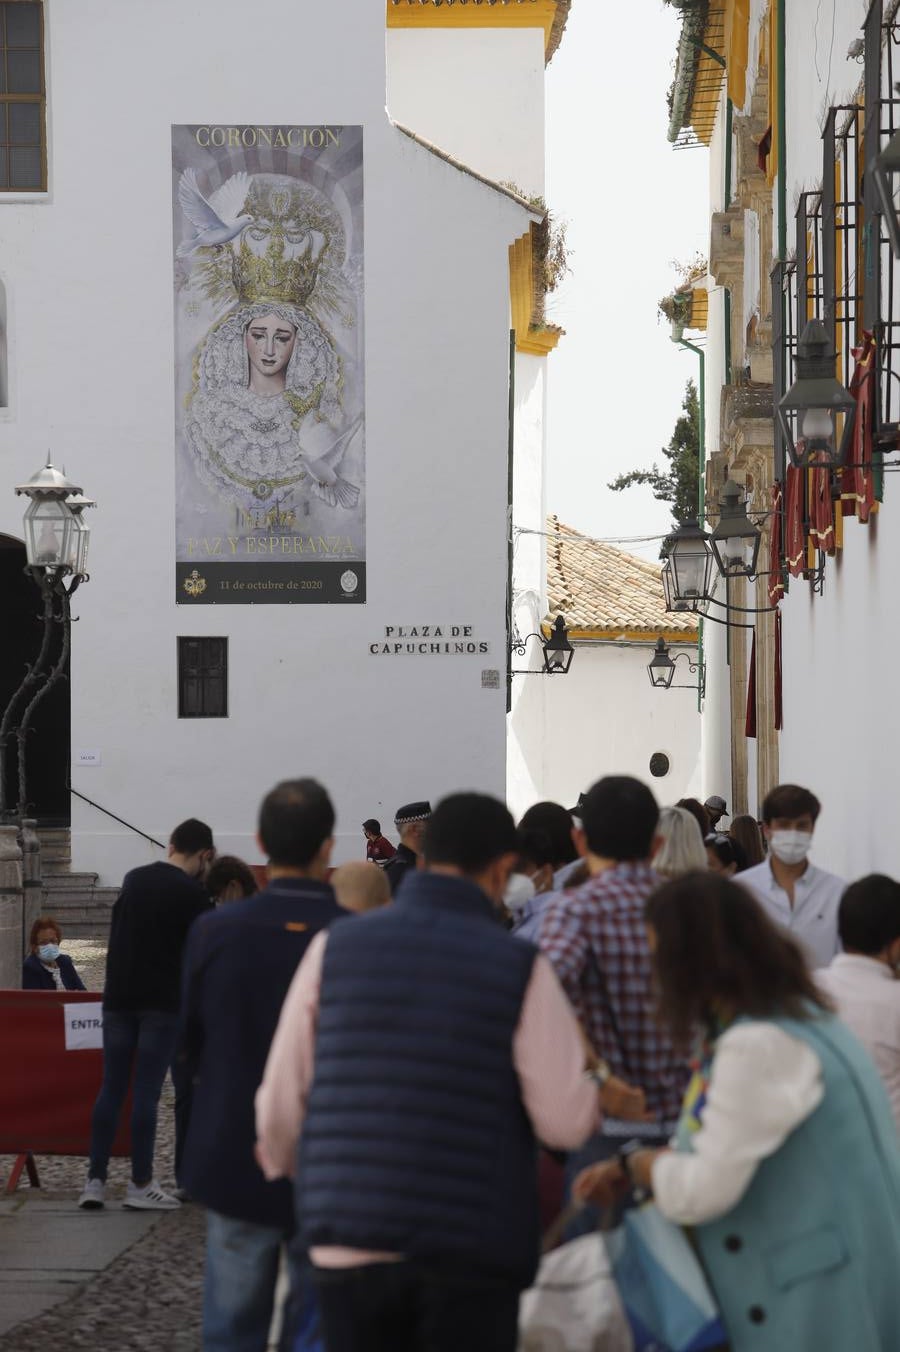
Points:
x=794 y=535
x=821 y=510
x=776 y=535
x=858 y=479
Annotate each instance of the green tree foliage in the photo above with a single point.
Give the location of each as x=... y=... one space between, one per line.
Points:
x=678 y=483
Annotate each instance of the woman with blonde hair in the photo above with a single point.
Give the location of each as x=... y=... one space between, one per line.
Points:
x=682 y=849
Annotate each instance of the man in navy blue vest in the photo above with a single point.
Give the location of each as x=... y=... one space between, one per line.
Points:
x=239 y=963
x=425 y=1051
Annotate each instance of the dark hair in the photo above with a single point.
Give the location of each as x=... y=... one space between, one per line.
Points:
x=726 y=850
x=191 y=837
x=372 y=826
x=789 y=800
x=469 y=831
x=716 y=948
x=869 y=914
x=745 y=831
x=619 y=816
x=556 y=823
x=696 y=809
x=44 y=922
x=229 y=869
x=535 y=847
x=295 y=818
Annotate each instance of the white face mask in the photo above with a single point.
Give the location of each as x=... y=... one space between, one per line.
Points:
x=519 y=891
x=790 y=846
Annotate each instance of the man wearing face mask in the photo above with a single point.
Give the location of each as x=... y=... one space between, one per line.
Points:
x=794 y=892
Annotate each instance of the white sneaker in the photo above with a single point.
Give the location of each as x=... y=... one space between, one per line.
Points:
x=149 y=1198
x=93 y=1193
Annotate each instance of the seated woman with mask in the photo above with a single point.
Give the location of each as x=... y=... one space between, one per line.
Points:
x=46 y=968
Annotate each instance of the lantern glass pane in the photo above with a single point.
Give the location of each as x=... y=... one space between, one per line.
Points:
x=49 y=527
x=689 y=570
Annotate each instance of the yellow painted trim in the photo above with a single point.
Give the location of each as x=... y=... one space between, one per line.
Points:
x=686 y=637
x=530 y=14
x=539 y=342
x=536 y=342
x=699 y=316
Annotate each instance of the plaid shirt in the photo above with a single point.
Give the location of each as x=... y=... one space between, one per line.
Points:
x=595 y=938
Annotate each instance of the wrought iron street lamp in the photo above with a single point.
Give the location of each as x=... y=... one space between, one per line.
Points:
x=557 y=651
x=56 y=541
x=817 y=413
x=886 y=173
x=77 y=502
x=690 y=560
x=661 y=669
x=735 y=540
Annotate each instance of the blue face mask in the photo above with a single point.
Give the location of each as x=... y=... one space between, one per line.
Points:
x=48 y=952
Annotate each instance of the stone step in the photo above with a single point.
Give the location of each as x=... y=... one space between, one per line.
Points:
x=69 y=882
x=56 y=849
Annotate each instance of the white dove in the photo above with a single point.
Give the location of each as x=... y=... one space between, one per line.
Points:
x=326 y=483
x=216 y=221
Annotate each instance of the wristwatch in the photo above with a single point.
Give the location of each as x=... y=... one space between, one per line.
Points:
x=624 y=1155
x=599 y=1074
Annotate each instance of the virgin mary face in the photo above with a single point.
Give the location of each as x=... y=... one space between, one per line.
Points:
x=270 y=344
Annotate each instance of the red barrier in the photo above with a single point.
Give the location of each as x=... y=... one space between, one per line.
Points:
x=47 y=1093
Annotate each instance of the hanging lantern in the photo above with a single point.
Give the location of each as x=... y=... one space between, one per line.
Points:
x=558 y=651
x=661 y=668
x=817 y=413
x=735 y=540
x=691 y=562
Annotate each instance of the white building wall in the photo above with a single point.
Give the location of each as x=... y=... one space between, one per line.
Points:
x=89 y=272
x=478 y=93
x=605 y=718
x=715 y=729
x=841 y=737
x=526 y=724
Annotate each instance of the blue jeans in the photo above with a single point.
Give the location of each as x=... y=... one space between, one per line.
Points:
x=142 y=1042
x=239 y=1289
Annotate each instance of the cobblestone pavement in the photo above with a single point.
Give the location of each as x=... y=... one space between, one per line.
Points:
x=150 y=1296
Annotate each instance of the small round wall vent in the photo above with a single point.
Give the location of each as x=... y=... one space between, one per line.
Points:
x=659 y=764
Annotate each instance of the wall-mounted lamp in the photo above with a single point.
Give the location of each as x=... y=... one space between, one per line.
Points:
x=735 y=540
x=661 y=669
x=557 y=651
x=817 y=413
x=690 y=561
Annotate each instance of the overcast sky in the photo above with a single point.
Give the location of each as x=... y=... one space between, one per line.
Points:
x=634 y=205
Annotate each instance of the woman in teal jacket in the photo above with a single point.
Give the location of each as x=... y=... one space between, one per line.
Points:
x=786 y=1163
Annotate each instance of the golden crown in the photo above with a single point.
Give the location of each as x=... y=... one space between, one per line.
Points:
x=271 y=275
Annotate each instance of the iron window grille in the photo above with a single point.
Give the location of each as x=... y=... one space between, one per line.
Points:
x=23 y=98
x=202 y=677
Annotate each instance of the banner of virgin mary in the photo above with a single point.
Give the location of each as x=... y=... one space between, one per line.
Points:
x=269 y=370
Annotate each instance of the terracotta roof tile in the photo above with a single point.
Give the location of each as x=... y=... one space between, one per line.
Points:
x=602 y=591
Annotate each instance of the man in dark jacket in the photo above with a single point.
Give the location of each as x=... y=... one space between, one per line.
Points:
x=150 y=922
x=421 y=1052
x=239 y=963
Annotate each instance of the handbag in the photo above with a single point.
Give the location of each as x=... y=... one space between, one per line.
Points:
x=663 y=1287
x=574 y=1305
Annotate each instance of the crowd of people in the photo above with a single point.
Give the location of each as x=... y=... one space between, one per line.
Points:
x=367 y=1091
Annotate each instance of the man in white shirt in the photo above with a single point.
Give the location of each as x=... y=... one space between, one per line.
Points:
x=796 y=895
x=862 y=980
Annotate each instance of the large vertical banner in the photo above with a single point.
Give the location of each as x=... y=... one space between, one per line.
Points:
x=269 y=369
